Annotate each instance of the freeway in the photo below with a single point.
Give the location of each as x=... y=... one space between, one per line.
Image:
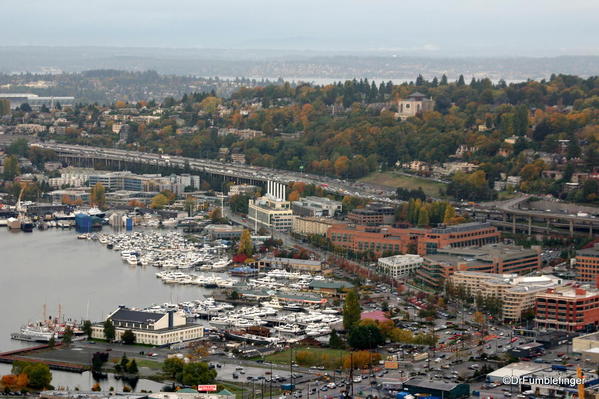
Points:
x=338 y=186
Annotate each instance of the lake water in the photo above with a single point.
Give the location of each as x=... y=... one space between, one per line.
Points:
x=53 y=267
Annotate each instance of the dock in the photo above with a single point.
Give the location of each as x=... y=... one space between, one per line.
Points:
x=22 y=355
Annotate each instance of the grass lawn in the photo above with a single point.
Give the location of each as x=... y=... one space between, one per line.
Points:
x=329 y=358
x=395 y=180
x=236 y=388
x=151 y=364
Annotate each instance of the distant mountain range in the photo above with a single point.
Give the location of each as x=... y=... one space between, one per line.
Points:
x=290 y=65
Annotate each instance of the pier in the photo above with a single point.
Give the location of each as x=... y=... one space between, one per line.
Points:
x=27 y=355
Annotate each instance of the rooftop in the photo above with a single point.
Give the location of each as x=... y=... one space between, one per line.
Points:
x=458 y=228
x=136 y=316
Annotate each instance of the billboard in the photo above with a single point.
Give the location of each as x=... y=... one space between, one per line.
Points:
x=206 y=388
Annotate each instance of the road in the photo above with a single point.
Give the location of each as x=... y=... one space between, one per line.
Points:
x=337 y=186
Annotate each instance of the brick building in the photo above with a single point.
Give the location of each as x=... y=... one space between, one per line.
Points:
x=587 y=264
x=396 y=240
x=568 y=309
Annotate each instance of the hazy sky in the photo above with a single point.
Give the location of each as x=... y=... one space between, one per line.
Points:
x=435 y=27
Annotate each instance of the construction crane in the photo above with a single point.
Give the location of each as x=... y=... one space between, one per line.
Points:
x=580 y=377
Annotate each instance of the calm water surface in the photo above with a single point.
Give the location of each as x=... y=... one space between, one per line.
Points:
x=53 y=267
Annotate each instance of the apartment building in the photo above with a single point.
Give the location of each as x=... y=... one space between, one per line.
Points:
x=587 y=263
x=571 y=308
x=517 y=293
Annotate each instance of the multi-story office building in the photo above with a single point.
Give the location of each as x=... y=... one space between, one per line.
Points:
x=378 y=239
x=493 y=258
x=568 y=309
x=399 y=266
x=316 y=207
x=587 y=264
x=307 y=226
x=240 y=189
x=372 y=215
x=271 y=211
x=517 y=293
x=381 y=239
x=128 y=181
x=460 y=235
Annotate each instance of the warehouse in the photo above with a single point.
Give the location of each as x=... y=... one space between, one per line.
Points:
x=440 y=389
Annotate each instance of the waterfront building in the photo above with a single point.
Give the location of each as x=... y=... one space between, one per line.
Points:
x=308 y=226
x=150 y=328
x=399 y=266
x=304 y=265
x=316 y=207
x=571 y=308
x=587 y=264
x=223 y=231
x=70 y=196
x=493 y=258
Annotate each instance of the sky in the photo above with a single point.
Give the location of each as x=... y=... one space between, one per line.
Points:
x=431 y=27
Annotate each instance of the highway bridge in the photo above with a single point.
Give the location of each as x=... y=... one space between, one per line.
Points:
x=518 y=215
x=118 y=159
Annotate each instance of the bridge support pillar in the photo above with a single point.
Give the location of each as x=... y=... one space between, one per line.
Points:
x=529 y=226
x=571 y=228
x=513 y=224
x=591 y=230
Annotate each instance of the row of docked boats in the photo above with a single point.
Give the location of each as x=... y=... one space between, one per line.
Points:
x=212 y=281
x=166 y=250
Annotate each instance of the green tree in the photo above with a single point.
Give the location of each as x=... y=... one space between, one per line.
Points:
x=197 y=373
x=67 y=337
x=11 y=167
x=132 y=367
x=351 y=309
x=173 y=367
x=335 y=341
x=109 y=330
x=52 y=342
x=39 y=375
x=19 y=148
x=365 y=337
x=128 y=337
x=87 y=328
